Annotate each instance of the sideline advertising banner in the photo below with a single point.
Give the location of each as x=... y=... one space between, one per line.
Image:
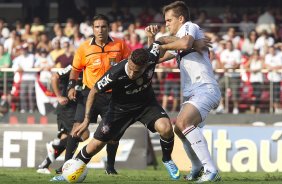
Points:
x=239 y=148
x=25 y=146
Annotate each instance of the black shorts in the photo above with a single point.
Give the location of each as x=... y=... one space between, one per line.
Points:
x=65 y=118
x=118 y=120
x=99 y=107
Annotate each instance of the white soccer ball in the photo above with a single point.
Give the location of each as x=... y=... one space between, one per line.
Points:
x=74 y=171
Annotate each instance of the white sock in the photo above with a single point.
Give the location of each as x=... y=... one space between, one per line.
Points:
x=196 y=163
x=200 y=147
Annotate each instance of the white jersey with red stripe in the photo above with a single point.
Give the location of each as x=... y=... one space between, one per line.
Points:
x=196 y=69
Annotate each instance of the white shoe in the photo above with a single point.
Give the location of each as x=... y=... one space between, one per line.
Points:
x=43 y=171
x=235 y=111
x=50 y=151
x=209 y=177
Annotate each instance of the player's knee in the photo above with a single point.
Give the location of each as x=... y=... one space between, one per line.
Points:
x=164 y=127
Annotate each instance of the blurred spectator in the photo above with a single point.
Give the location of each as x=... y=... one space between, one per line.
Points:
x=263 y=42
x=162 y=32
x=255 y=66
x=37 y=27
x=171 y=86
x=4 y=105
x=266 y=22
x=86 y=28
x=19 y=27
x=22 y=63
x=246 y=25
x=249 y=44
x=57 y=50
x=69 y=28
x=44 y=43
x=158 y=16
x=5 y=62
x=230 y=59
x=115 y=31
x=77 y=38
x=4 y=31
x=8 y=44
x=273 y=62
x=231 y=35
x=59 y=35
x=66 y=58
x=44 y=63
x=134 y=42
x=17 y=42
x=27 y=35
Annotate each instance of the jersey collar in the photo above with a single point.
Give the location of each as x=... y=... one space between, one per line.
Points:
x=92 y=41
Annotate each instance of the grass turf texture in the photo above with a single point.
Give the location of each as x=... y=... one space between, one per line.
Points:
x=149 y=176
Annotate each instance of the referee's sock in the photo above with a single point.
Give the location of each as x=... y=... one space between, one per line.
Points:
x=167 y=147
x=72 y=144
x=111 y=154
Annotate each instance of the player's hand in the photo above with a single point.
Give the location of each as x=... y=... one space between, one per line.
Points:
x=151 y=30
x=80 y=129
x=62 y=100
x=202 y=44
x=72 y=94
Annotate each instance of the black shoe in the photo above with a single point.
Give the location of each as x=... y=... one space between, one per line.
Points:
x=111 y=171
x=59 y=170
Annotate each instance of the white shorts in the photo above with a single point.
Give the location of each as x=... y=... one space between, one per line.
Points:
x=205 y=98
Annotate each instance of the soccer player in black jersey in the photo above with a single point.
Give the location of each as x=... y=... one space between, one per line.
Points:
x=65 y=117
x=132 y=100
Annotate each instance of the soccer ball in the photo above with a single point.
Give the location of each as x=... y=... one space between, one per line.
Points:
x=74 y=171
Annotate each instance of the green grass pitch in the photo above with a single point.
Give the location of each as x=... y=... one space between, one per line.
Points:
x=149 y=176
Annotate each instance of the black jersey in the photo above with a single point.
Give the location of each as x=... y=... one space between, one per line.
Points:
x=127 y=93
x=64 y=75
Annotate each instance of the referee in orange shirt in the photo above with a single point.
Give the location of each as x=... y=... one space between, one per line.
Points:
x=94 y=57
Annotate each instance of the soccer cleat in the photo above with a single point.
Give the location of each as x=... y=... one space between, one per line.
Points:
x=59 y=170
x=58 y=178
x=194 y=175
x=50 y=151
x=172 y=170
x=209 y=177
x=111 y=171
x=43 y=171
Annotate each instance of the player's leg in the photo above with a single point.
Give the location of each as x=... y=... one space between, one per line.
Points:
x=155 y=119
x=193 y=112
x=197 y=168
x=102 y=102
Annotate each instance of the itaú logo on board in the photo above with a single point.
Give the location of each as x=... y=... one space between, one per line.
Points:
x=245 y=149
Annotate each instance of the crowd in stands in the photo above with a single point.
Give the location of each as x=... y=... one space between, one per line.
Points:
x=253 y=45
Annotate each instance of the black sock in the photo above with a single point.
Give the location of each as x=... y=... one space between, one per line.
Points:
x=72 y=144
x=84 y=156
x=60 y=147
x=111 y=154
x=46 y=163
x=167 y=147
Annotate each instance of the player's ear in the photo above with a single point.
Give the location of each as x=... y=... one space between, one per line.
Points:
x=181 y=18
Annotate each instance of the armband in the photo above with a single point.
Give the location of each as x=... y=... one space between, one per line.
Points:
x=71 y=84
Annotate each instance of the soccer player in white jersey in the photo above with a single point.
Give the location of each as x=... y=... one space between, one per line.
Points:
x=200 y=90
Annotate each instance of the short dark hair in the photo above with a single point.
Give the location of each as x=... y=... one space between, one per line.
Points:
x=101 y=17
x=179 y=8
x=140 y=57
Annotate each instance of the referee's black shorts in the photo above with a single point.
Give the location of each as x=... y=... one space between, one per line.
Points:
x=99 y=107
x=118 y=120
x=65 y=118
